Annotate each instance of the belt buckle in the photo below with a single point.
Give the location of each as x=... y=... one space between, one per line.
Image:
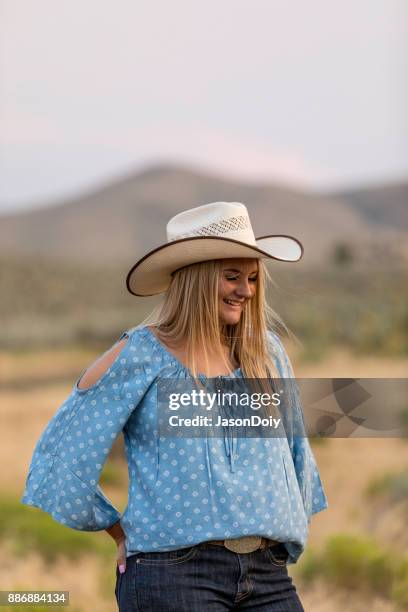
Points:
x=246 y=544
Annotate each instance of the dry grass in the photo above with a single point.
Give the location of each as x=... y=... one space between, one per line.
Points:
x=341 y=363
x=81 y=579
x=346 y=466
x=322 y=598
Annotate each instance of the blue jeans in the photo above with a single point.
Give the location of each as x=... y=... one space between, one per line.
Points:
x=207 y=578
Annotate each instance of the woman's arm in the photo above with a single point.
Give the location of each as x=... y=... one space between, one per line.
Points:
x=116 y=532
x=72 y=450
x=119 y=536
x=89 y=378
x=307 y=473
x=99 y=367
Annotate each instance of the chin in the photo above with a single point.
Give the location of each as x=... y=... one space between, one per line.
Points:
x=230 y=318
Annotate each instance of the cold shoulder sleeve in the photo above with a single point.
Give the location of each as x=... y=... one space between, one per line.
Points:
x=307 y=473
x=69 y=456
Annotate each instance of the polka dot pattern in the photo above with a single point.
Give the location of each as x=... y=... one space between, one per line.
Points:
x=182 y=491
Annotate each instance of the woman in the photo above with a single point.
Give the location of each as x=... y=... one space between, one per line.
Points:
x=212 y=521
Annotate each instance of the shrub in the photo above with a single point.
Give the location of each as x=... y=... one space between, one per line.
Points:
x=358 y=563
x=112 y=474
x=399 y=593
x=394 y=486
x=32 y=529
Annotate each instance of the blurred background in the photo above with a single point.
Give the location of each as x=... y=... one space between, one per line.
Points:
x=114 y=116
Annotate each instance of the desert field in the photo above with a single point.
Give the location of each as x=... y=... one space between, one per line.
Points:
x=38 y=553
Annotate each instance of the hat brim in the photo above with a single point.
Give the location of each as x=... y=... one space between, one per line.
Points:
x=151 y=275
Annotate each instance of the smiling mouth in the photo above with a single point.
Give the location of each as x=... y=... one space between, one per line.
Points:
x=233 y=303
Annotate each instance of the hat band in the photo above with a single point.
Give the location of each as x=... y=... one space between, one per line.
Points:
x=234 y=226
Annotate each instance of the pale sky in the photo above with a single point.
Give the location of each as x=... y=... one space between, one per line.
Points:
x=312 y=93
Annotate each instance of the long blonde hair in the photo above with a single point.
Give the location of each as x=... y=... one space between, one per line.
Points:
x=188 y=316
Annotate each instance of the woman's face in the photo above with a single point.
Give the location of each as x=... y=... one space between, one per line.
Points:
x=237 y=285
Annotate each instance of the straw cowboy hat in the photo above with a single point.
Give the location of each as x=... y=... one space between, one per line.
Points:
x=221 y=230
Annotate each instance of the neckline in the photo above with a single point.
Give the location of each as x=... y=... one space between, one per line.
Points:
x=184 y=367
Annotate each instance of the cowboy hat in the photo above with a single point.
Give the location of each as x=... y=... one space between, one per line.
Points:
x=221 y=230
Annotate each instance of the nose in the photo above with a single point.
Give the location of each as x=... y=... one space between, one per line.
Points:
x=244 y=289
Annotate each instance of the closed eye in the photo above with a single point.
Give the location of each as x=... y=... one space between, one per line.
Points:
x=232 y=278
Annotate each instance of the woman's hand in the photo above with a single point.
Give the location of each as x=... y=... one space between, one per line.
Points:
x=116 y=532
x=121 y=555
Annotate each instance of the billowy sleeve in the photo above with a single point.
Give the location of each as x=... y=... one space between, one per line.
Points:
x=69 y=456
x=307 y=473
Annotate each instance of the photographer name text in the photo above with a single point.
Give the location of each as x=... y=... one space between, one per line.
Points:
x=205 y=421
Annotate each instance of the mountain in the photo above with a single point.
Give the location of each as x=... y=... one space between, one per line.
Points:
x=384 y=205
x=120 y=221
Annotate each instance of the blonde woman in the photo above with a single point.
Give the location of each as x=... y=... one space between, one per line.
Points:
x=212 y=521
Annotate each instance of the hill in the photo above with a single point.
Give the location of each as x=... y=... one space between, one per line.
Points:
x=119 y=221
x=384 y=205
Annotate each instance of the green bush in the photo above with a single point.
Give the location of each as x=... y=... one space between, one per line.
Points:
x=318 y=441
x=310 y=566
x=107 y=578
x=112 y=474
x=399 y=593
x=342 y=254
x=394 y=486
x=404 y=422
x=361 y=309
x=30 y=528
x=358 y=563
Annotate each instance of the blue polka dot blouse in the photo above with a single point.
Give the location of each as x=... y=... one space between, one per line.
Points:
x=182 y=491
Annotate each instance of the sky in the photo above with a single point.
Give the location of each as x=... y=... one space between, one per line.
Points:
x=312 y=94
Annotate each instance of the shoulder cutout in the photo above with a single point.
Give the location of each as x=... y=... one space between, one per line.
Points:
x=101 y=365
